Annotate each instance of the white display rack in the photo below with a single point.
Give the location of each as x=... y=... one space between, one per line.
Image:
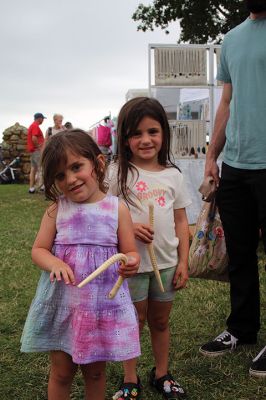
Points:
x=185 y=66
x=187 y=134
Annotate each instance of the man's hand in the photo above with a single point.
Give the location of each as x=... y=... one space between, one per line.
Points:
x=212 y=169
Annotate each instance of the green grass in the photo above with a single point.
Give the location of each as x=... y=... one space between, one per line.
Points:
x=199 y=313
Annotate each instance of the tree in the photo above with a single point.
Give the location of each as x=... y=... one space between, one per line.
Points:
x=201 y=21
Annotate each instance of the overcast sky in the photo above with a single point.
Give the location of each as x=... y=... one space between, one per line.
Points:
x=78 y=58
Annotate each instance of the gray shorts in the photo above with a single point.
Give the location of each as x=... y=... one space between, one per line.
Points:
x=35 y=159
x=144 y=285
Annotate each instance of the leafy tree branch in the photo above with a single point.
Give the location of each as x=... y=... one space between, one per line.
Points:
x=201 y=21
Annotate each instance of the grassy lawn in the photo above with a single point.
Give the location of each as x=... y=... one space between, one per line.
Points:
x=198 y=315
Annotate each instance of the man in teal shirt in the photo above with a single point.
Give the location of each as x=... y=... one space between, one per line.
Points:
x=240 y=131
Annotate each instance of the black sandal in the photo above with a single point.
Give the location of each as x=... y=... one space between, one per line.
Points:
x=128 y=391
x=167 y=386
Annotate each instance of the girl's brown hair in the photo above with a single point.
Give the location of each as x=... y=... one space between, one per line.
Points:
x=55 y=154
x=129 y=118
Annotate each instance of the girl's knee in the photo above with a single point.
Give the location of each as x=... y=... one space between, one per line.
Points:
x=62 y=372
x=62 y=378
x=93 y=373
x=158 y=324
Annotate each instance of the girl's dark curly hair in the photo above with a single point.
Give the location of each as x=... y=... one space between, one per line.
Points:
x=55 y=154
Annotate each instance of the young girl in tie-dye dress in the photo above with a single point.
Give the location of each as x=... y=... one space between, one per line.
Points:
x=80 y=230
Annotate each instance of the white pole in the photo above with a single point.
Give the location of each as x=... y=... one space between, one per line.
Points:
x=211 y=89
x=149 y=68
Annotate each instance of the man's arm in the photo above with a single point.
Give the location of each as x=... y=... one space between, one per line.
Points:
x=35 y=133
x=35 y=141
x=218 y=136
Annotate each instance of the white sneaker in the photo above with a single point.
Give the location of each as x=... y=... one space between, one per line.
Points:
x=258 y=365
x=222 y=344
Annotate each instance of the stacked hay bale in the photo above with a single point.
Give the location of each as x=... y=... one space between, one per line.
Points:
x=15 y=145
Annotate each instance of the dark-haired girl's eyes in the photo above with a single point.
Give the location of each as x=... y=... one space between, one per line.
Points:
x=60 y=176
x=136 y=134
x=153 y=131
x=76 y=167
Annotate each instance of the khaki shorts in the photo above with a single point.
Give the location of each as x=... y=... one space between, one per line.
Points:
x=144 y=286
x=35 y=159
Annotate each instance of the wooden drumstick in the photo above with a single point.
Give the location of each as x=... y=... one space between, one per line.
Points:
x=151 y=250
x=102 y=268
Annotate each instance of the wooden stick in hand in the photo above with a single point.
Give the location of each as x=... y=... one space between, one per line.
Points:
x=117 y=257
x=151 y=250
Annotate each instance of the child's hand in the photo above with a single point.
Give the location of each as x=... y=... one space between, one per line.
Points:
x=62 y=271
x=181 y=276
x=143 y=232
x=131 y=268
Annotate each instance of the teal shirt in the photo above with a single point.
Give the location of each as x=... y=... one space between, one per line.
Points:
x=243 y=64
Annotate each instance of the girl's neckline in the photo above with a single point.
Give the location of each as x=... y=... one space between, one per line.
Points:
x=149 y=171
x=88 y=204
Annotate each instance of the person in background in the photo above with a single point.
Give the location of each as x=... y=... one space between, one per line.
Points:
x=35 y=142
x=68 y=125
x=239 y=131
x=58 y=126
x=104 y=138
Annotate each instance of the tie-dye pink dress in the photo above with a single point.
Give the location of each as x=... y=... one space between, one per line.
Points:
x=84 y=322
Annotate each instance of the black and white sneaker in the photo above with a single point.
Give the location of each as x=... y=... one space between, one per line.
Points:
x=258 y=365
x=222 y=344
